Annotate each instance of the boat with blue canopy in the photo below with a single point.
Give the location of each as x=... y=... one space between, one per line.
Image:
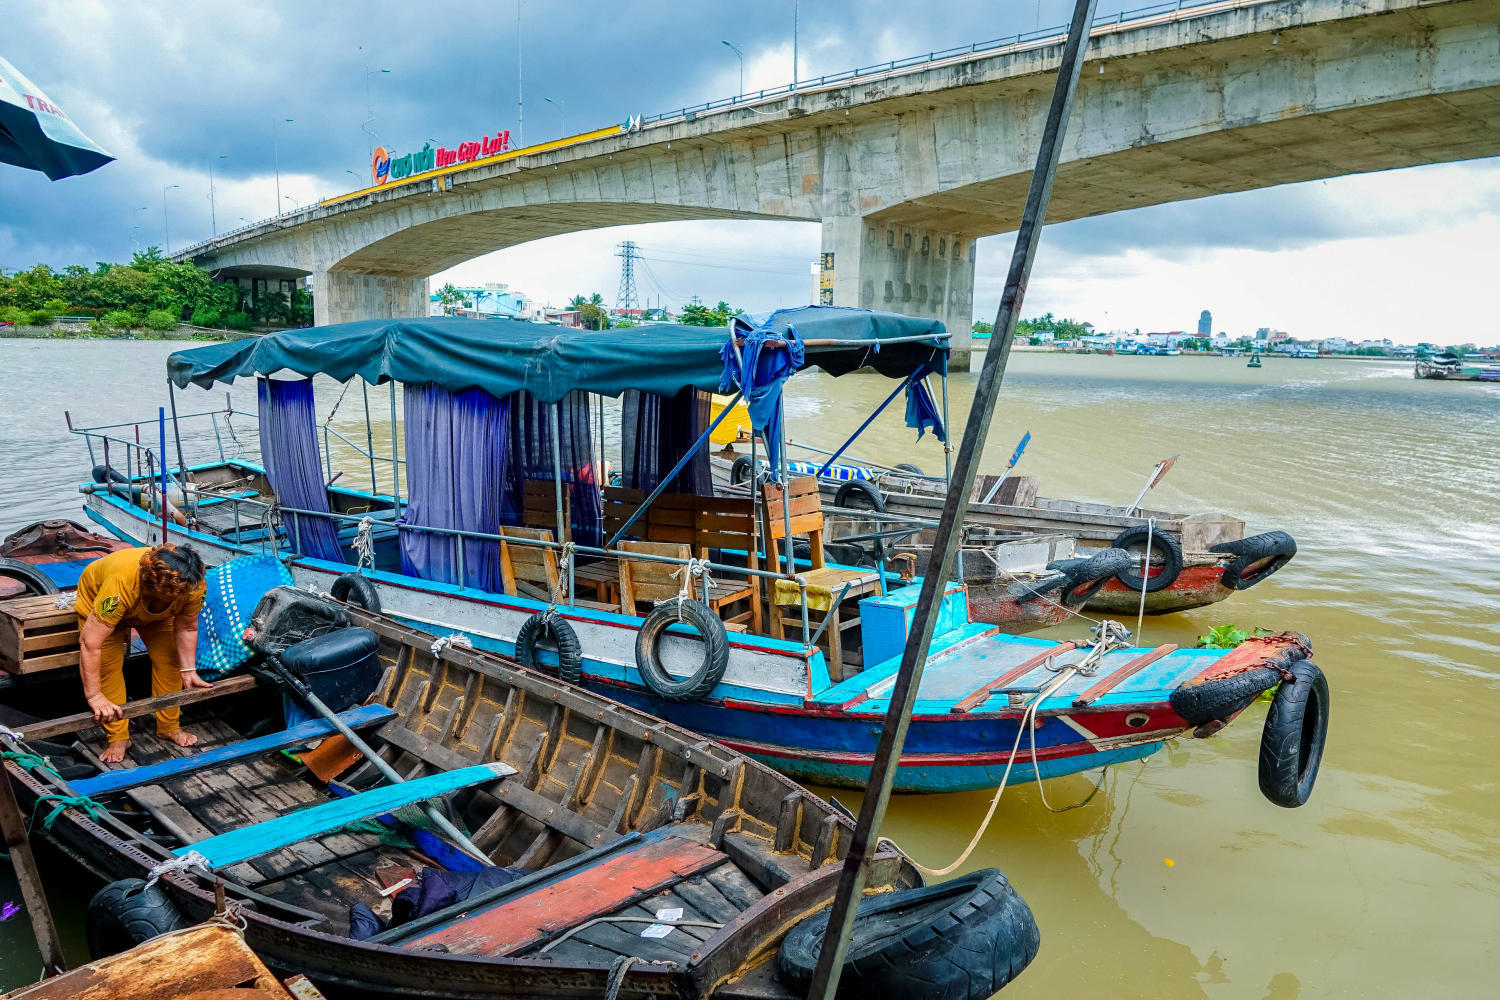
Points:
x=729 y=614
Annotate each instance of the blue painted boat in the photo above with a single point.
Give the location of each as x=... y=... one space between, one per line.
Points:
x=767 y=653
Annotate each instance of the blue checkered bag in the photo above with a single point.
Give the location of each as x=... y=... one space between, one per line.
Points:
x=233 y=591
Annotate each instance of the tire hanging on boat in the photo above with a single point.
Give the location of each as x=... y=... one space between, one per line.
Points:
x=865 y=495
x=125 y=913
x=1291 y=745
x=1221 y=697
x=963 y=939
x=715 y=650
x=1171 y=558
x=33 y=579
x=908 y=467
x=1087 y=576
x=549 y=625
x=357 y=590
x=1256 y=558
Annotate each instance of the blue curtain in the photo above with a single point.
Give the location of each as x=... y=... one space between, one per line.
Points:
x=656 y=431
x=457 y=458
x=289 y=451
x=531 y=458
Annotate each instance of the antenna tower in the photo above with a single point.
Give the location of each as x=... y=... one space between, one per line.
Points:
x=629 y=254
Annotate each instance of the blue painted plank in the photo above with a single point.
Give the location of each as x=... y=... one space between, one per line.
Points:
x=316 y=729
x=261 y=838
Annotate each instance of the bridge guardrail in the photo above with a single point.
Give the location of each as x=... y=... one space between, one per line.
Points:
x=1023 y=38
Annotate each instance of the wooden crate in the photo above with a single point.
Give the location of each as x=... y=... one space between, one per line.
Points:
x=35 y=635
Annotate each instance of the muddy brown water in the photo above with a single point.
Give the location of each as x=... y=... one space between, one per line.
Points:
x=1176 y=879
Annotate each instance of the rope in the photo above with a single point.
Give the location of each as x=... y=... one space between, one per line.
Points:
x=364 y=543
x=455 y=640
x=1140 y=615
x=617 y=976
x=29 y=761
x=66 y=600
x=339 y=402
x=63 y=804
x=1047 y=600
x=192 y=859
x=686 y=572
x=562 y=575
x=10 y=734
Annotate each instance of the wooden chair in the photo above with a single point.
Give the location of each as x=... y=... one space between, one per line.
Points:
x=823 y=582
x=642 y=581
x=533 y=570
x=729 y=523
x=539 y=506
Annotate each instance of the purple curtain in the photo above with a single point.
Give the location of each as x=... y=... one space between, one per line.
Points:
x=457 y=452
x=656 y=431
x=289 y=451
x=531 y=458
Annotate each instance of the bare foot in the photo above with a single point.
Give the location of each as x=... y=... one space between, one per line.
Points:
x=181 y=737
x=115 y=752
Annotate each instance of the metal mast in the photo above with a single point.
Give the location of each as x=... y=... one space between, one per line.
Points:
x=629 y=254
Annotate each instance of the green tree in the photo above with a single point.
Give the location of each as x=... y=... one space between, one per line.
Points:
x=980 y=326
x=451 y=299
x=697 y=314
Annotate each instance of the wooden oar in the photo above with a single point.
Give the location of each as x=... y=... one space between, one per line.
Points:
x=1162 y=468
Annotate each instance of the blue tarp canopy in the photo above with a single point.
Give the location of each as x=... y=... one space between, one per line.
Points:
x=506 y=356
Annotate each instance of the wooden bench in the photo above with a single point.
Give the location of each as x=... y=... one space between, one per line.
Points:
x=125 y=778
x=534 y=570
x=283 y=831
x=539 y=506
x=36 y=635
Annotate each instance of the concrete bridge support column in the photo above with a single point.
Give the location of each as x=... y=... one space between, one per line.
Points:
x=345 y=296
x=904 y=269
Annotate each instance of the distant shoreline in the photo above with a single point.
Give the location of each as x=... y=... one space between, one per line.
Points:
x=980 y=345
x=82 y=332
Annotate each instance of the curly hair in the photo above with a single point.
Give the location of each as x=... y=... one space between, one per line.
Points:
x=169 y=571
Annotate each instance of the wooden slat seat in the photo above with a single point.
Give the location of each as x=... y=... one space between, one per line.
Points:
x=643 y=581
x=530 y=570
x=261 y=838
x=124 y=778
x=539 y=506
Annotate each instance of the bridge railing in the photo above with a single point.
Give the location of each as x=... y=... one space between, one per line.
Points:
x=1020 y=40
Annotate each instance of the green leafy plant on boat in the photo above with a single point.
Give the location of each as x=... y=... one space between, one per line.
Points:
x=1230 y=636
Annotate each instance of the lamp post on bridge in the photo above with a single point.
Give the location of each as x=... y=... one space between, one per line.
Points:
x=369 y=126
x=166 y=230
x=213 y=218
x=741 y=56
x=276 y=159
x=562 y=106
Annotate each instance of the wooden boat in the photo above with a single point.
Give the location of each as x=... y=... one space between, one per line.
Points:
x=1449 y=367
x=208 y=962
x=788 y=659
x=1196 y=559
x=615 y=817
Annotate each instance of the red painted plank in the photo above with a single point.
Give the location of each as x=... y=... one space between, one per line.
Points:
x=593 y=892
x=1108 y=683
x=974 y=699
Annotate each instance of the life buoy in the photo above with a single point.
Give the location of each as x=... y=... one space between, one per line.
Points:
x=715 y=650
x=1291 y=744
x=857 y=494
x=1221 y=697
x=352 y=588
x=1169 y=548
x=33 y=579
x=960 y=940
x=1256 y=558
x=550 y=626
x=125 y=913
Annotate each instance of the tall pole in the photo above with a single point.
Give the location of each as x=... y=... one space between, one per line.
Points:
x=796 y=16
x=213 y=218
x=520 y=97
x=562 y=107
x=735 y=49
x=276 y=159
x=950 y=525
x=166 y=228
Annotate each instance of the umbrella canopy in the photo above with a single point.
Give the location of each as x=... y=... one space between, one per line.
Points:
x=35 y=134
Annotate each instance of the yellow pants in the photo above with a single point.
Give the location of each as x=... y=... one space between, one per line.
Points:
x=166 y=676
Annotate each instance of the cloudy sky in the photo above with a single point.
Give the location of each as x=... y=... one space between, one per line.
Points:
x=174 y=88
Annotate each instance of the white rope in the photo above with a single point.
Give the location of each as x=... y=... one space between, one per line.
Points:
x=1140 y=615
x=455 y=640
x=364 y=543
x=192 y=859
x=563 y=563
x=10 y=734
x=66 y=600
x=686 y=573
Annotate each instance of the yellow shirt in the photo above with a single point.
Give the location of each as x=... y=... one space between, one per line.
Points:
x=110 y=590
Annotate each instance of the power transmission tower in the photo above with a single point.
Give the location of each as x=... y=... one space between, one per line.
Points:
x=629 y=254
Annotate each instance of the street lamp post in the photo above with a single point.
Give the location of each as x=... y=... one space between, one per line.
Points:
x=562 y=105
x=520 y=97
x=796 y=16
x=166 y=230
x=213 y=218
x=276 y=159
x=741 y=55
x=135 y=227
x=369 y=126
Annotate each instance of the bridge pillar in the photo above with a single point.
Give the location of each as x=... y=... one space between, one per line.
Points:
x=903 y=269
x=345 y=296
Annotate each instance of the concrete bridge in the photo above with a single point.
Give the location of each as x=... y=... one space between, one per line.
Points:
x=906 y=166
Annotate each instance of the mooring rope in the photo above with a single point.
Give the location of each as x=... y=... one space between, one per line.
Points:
x=455 y=640
x=1140 y=615
x=190 y=860
x=364 y=543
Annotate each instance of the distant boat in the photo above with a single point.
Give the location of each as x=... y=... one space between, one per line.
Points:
x=1254 y=361
x=1450 y=367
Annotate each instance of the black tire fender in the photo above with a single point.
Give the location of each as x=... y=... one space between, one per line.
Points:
x=1169 y=548
x=1256 y=558
x=908 y=467
x=125 y=913
x=739 y=472
x=1026 y=591
x=1223 y=696
x=865 y=493
x=550 y=625
x=963 y=939
x=1087 y=576
x=352 y=588
x=33 y=579
x=107 y=474
x=1291 y=744
x=715 y=650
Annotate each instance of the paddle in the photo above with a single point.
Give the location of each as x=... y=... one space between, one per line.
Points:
x=1015 y=457
x=1162 y=468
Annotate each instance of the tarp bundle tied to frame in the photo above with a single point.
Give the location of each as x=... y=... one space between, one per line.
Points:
x=760 y=365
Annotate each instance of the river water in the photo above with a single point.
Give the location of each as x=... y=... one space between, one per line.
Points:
x=1175 y=880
